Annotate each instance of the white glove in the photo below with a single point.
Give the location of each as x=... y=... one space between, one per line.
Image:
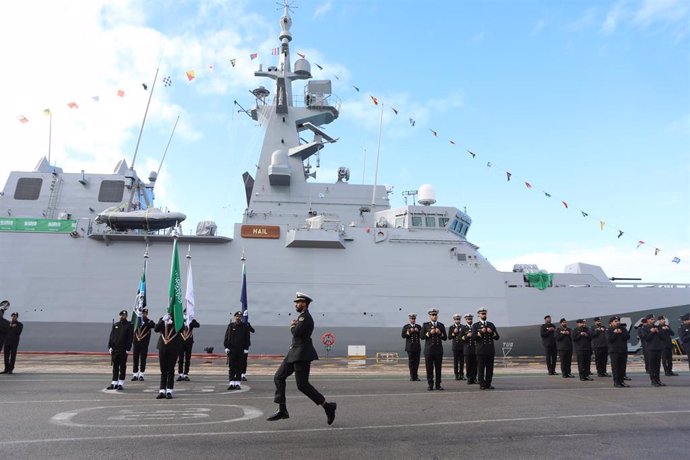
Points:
x=246 y=352
x=166 y=319
x=110 y=350
x=227 y=350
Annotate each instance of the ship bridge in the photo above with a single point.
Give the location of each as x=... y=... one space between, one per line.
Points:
x=416 y=217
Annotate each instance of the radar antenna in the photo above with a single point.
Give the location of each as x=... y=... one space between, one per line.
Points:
x=412 y=193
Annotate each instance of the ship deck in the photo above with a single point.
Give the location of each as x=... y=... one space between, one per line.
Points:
x=58 y=409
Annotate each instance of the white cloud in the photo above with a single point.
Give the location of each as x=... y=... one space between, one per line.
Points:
x=321 y=11
x=613 y=17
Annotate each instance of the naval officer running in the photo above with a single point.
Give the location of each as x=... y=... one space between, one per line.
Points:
x=298 y=361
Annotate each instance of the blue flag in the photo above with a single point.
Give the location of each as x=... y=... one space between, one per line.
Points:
x=243 y=296
x=140 y=300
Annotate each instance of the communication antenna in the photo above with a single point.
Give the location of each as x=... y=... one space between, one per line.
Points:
x=412 y=193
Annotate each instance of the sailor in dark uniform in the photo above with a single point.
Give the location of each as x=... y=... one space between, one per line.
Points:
x=469 y=350
x=119 y=343
x=4 y=324
x=140 y=345
x=667 y=353
x=186 y=345
x=245 y=355
x=617 y=336
x=455 y=335
x=652 y=336
x=684 y=334
x=582 y=343
x=298 y=361
x=485 y=334
x=169 y=345
x=643 y=344
x=600 y=347
x=548 y=340
x=433 y=333
x=411 y=333
x=12 y=342
x=235 y=342
x=564 y=344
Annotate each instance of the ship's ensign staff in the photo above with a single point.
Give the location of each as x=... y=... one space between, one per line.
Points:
x=548 y=341
x=617 y=336
x=186 y=345
x=140 y=345
x=169 y=345
x=119 y=343
x=235 y=342
x=434 y=333
x=411 y=332
x=469 y=350
x=667 y=353
x=298 y=361
x=684 y=335
x=582 y=343
x=600 y=347
x=12 y=342
x=455 y=335
x=485 y=335
x=651 y=334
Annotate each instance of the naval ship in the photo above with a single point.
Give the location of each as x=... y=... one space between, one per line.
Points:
x=72 y=247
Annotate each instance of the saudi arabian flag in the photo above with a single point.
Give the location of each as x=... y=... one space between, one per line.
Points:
x=175 y=295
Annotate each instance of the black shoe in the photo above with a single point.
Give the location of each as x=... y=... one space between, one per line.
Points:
x=626 y=378
x=430 y=388
x=135 y=379
x=618 y=385
x=119 y=388
x=670 y=374
x=625 y=385
x=462 y=377
x=471 y=382
x=590 y=379
x=490 y=387
x=606 y=374
x=111 y=387
x=179 y=379
x=141 y=378
x=457 y=377
x=482 y=387
x=160 y=396
x=417 y=379
x=330 y=412
x=660 y=384
x=279 y=415
x=186 y=378
x=244 y=379
x=552 y=373
x=439 y=387
x=168 y=395
x=12 y=372
x=3 y=372
x=411 y=379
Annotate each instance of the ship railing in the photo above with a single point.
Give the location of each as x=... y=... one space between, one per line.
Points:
x=310 y=101
x=653 y=285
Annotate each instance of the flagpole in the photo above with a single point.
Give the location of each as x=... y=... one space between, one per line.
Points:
x=376 y=172
x=50 y=133
x=243 y=291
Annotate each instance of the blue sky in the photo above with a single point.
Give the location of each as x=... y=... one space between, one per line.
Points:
x=586 y=100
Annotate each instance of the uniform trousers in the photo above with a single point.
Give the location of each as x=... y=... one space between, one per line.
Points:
x=601 y=355
x=243 y=369
x=471 y=367
x=185 y=357
x=458 y=363
x=654 y=359
x=667 y=360
x=485 y=369
x=119 y=359
x=235 y=359
x=140 y=351
x=619 y=363
x=301 y=370
x=551 y=355
x=566 y=357
x=433 y=365
x=413 y=363
x=10 y=356
x=166 y=358
x=584 y=363
x=645 y=356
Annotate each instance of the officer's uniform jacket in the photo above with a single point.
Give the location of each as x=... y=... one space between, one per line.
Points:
x=467 y=340
x=237 y=336
x=455 y=335
x=433 y=342
x=564 y=342
x=121 y=336
x=582 y=342
x=411 y=334
x=654 y=341
x=667 y=335
x=684 y=333
x=548 y=339
x=618 y=343
x=169 y=339
x=187 y=333
x=302 y=348
x=13 y=333
x=142 y=334
x=598 y=337
x=484 y=343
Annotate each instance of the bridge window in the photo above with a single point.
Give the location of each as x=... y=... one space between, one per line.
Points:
x=111 y=191
x=416 y=221
x=399 y=222
x=443 y=221
x=430 y=221
x=28 y=188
